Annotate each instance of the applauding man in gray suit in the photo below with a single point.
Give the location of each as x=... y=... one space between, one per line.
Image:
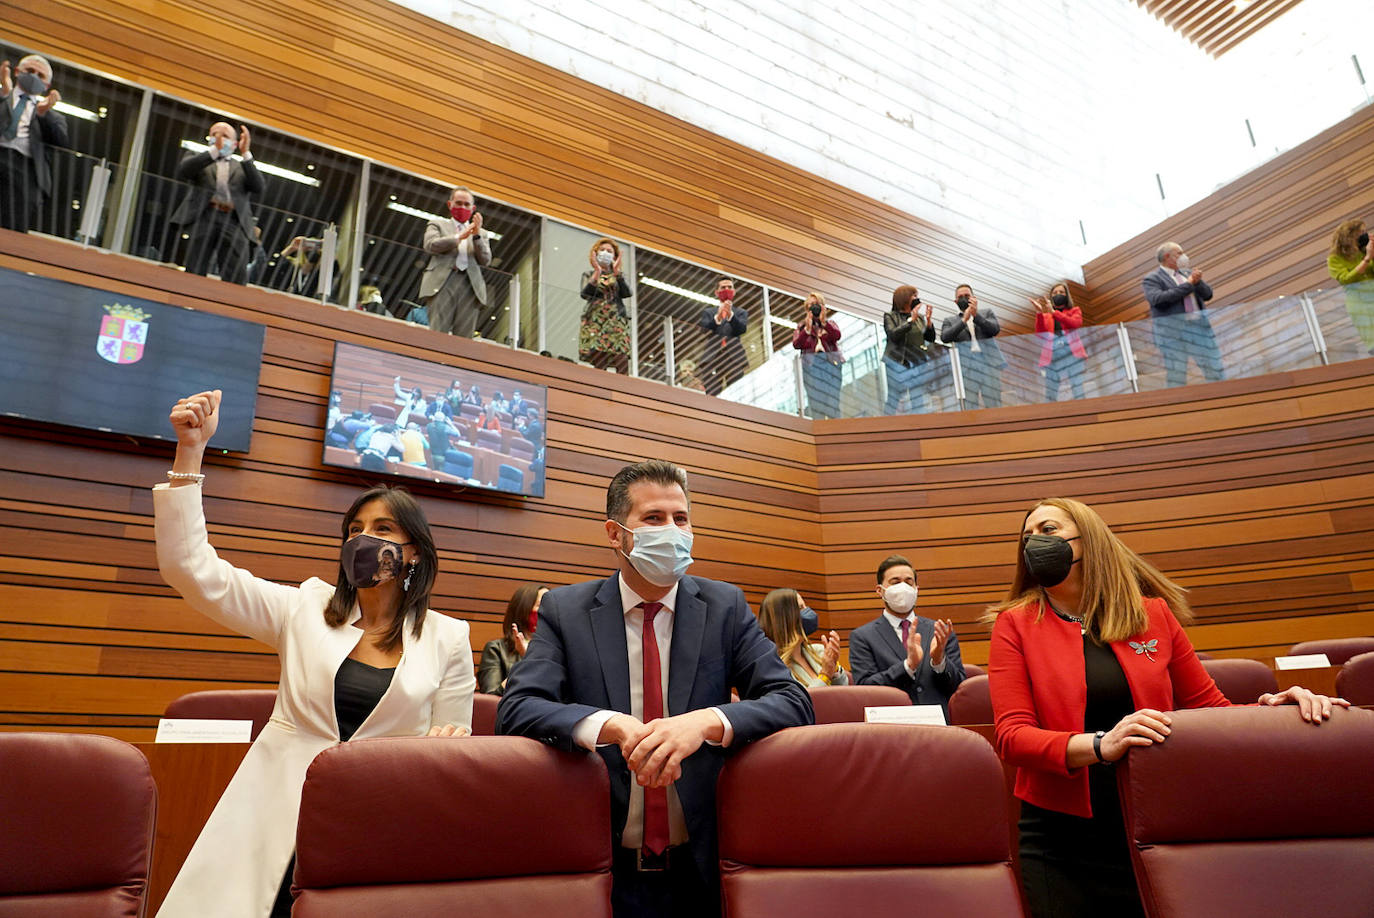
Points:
x=453 y=288
x=917 y=655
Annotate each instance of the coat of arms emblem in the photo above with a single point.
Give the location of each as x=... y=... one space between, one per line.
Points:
x=123 y=334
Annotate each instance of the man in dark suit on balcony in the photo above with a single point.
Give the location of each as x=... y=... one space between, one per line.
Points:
x=639 y=668
x=217 y=207
x=29 y=126
x=1178 y=302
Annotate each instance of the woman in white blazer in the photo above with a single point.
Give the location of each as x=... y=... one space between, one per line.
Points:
x=364 y=657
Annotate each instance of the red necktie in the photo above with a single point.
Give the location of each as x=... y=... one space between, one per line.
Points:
x=655 y=798
x=906 y=631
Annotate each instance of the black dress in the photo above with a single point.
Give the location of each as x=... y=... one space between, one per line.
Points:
x=357 y=689
x=1073 y=867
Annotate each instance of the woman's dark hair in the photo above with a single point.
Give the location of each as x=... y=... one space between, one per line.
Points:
x=402 y=508
x=518 y=611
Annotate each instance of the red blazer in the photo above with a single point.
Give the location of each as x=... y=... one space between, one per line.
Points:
x=1070 y=320
x=1039 y=693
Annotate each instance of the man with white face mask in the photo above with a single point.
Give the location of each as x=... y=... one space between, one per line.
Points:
x=918 y=655
x=639 y=667
x=216 y=209
x=1178 y=297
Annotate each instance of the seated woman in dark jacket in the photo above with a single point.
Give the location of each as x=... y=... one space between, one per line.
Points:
x=500 y=655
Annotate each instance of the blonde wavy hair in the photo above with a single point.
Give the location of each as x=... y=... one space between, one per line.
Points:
x=1343 y=241
x=1115 y=580
x=780 y=620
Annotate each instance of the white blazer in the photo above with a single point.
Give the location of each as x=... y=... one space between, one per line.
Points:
x=236 y=865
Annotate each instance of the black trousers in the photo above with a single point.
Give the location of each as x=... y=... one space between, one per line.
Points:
x=217 y=238
x=678 y=892
x=18 y=194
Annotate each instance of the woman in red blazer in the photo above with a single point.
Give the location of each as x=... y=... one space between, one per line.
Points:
x=1087 y=654
x=1057 y=321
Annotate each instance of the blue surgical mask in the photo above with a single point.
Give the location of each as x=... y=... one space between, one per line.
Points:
x=32 y=84
x=226 y=146
x=810 y=621
x=661 y=554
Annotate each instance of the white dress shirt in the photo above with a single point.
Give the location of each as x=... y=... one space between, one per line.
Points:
x=460 y=260
x=588 y=729
x=26 y=105
x=896 y=624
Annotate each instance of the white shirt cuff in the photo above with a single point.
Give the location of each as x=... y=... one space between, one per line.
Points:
x=588 y=729
x=939 y=667
x=247 y=157
x=729 y=734
x=911 y=673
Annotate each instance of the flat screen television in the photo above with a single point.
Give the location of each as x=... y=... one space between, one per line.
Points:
x=89 y=358
x=396 y=415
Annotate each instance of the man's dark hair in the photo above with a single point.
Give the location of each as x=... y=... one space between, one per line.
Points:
x=969 y=287
x=893 y=561
x=654 y=471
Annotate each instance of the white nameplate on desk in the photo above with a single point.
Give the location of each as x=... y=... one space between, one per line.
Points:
x=186 y=730
x=1302 y=661
x=929 y=714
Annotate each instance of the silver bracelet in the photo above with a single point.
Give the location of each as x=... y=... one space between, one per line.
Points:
x=186 y=476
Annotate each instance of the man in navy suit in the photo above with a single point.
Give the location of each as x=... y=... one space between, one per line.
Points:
x=917 y=655
x=653 y=699
x=1178 y=301
x=30 y=126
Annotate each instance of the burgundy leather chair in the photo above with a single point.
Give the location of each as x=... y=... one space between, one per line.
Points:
x=971 y=702
x=484 y=714
x=973 y=669
x=894 y=850
x=1355 y=681
x=844 y=704
x=416 y=827
x=1241 y=681
x=77 y=816
x=1251 y=811
x=226 y=704
x=1337 y=650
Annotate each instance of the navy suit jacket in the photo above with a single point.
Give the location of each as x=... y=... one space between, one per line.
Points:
x=45 y=132
x=577 y=664
x=877 y=657
x=1166 y=295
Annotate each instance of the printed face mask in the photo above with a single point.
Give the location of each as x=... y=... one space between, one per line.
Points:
x=661 y=554
x=900 y=598
x=368 y=561
x=1049 y=558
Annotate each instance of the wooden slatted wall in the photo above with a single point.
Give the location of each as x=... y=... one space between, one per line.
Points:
x=1264 y=235
x=1257 y=495
x=379 y=80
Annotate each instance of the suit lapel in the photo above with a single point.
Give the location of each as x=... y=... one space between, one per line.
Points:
x=608 y=634
x=689 y=629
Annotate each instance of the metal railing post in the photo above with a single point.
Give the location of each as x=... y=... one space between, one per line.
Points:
x=133 y=173
x=669 y=351
x=957 y=369
x=1314 y=328
x=1123 y=340
x=513 y=323
x=355 y=269
x=797 y=379
x=93 y=205
x=329 y=250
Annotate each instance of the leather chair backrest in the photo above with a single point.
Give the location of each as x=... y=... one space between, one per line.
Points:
x=77 y=818
x=226 y=704
x=1355 y=681
x=865 y=819
x=1252 y=811
x=844 y=704
x=484 y=714
x=1241 y=681
x=973 y=669
x=1337 y=650
x=483 y=825
x=971 y=702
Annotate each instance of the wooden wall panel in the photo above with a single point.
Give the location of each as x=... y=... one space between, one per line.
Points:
x=1257 y=494
x=379 y=80
x=1264 y=235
